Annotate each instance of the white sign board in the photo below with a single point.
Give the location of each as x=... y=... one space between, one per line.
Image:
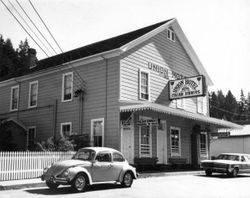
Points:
x=187 y=87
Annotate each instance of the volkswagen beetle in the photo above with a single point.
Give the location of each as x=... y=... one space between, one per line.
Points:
x=90 y=165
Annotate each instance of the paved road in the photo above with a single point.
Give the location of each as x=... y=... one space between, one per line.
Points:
x=154 y=187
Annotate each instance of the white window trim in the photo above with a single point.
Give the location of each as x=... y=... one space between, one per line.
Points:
x=150 y=139
x=30 y=84
x=183 y=103
x=61 y=128
x=202 y=106
x=140 y=71
x=92 y=132
x=179 y=130
x=11 y=95
x=63 y=78
x=173 y=39
x=206 y=138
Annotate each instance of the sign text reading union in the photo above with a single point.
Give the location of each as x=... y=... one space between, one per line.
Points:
x=187 y=87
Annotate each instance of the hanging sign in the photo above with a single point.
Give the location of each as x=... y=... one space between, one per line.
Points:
x=147 y=122
x=187 y=87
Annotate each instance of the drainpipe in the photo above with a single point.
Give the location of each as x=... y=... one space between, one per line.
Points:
x=55 y=119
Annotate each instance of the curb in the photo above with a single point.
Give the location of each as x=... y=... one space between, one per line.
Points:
x=36 y=183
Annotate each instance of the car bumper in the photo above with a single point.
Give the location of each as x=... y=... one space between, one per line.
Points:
x=55 y=180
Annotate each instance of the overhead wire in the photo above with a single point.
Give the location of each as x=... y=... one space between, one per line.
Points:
x=19 y=22
x=78 y=75
x=29 y=26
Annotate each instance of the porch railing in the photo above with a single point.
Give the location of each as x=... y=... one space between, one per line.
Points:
x=26 y=165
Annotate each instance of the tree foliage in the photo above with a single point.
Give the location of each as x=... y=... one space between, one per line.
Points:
x=13 y=61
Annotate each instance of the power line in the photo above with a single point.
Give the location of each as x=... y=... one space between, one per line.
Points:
x=226 y=111
x=36 y=27
x=24 y=28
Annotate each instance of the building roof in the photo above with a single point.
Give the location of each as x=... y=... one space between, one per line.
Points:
x=123 y=43
x=245 y=131
x=177 y=112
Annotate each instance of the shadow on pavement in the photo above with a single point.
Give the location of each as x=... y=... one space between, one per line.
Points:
x=224 y=176
x=67 y=190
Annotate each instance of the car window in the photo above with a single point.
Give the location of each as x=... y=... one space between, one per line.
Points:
x=85 y=154
x=103 y=157
x=117 y=157
x=243 y=159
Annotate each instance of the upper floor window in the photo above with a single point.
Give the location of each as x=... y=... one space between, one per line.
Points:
x=175 y=141
x=144 y=85
x=67 y=87
x=180 y=103
x=66 y=129
x=170 y=35
x=200 y=104
x=14 y=98
x=33 y=93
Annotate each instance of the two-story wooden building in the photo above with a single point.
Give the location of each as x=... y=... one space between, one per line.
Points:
x=117 y=91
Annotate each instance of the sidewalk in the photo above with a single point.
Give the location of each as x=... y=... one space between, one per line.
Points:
x=37 y=182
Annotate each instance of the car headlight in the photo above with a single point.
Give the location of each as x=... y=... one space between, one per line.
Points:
x=65 y=173
x=46 y=169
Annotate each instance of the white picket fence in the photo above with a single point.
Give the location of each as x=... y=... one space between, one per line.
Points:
x=26 y=165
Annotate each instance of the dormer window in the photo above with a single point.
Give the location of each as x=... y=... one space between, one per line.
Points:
x=171 y=35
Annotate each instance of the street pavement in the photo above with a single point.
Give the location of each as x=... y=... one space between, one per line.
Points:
x=36 y=182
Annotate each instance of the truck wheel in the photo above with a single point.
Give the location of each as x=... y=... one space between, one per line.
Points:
x=51 y=185
x=234 y=172
x=208 y=172
x=80 y=183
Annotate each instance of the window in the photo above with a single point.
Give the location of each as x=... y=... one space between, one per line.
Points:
x=171 y=35
x=33 y=93
x=200 y=104
x=180 y=103
x=97 y=132
x=66 y=129
x=175 y=141
x=103 y=157
x=145 y=141
x=203 y=144
x=67 y=87
x=117 y=157
x=14 y=97
x=144 y=85
x=31 y=137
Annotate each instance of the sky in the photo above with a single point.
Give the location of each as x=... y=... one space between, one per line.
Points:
x=218 y=30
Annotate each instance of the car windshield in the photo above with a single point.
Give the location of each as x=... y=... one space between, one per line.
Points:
x=228 y=157
x=84 y=154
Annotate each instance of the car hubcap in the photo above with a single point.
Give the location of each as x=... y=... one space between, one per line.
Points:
x=127 y=179
x=80 y=183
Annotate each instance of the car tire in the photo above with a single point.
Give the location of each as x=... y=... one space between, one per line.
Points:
x=208 y=172
x=51 y=185
x=80 y=183
x=234 y=173
x=127 y=179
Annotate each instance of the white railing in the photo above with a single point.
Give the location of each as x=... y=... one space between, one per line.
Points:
x=26 y=165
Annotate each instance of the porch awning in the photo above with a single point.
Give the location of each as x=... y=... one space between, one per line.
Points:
x=181 y=113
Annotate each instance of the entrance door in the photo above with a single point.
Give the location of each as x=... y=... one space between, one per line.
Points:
x=162 y=143
x=128 y=143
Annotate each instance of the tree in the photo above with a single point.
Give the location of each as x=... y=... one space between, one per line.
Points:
x=243 y=107
x=231 y=105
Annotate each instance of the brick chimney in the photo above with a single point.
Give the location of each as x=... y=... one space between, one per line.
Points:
x=32 y=59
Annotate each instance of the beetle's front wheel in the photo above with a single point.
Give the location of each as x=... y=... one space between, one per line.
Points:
x=80 y=183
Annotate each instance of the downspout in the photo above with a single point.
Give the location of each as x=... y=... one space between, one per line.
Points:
x=55 y=119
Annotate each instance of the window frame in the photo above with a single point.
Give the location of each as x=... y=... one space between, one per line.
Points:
x=200 y=100
x=202 y=154
x=140 y=85
x=28 y=136
x=171 y=35
x=63 y=86
x=179 y=142
x=180 y=103
x=92 y=130
x=36 y=94
x=61 y=128
x=150 y=142
x=11 y=98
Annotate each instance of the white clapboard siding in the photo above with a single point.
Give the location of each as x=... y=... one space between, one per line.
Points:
x=26 y=165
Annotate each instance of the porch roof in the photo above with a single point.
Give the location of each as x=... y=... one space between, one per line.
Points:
x=181 y=113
